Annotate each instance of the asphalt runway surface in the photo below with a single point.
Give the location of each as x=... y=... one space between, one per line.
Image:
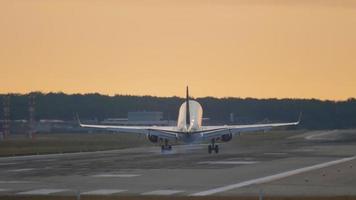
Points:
x=317 y=163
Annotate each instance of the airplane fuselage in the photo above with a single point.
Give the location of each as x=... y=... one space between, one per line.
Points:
x=194 y=122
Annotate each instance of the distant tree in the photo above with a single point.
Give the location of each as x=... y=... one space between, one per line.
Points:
x=317 y=114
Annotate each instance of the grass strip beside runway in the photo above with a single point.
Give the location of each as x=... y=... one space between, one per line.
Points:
x=65 y=143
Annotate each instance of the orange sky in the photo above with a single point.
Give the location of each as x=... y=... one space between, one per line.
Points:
x=241 y=48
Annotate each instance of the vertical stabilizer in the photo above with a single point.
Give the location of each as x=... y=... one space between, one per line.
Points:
x=187 y=117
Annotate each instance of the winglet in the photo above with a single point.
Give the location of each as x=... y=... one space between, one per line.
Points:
x=78 y=120
x=300 y=117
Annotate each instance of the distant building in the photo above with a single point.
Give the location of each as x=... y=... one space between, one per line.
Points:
x=114 y=121
x=145 y=116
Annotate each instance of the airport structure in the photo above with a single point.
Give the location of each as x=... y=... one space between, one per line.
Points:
x=140 y=118
x=8 y=125
x=31 y=119
x=145 y=116
x=64 y=126
x=6 y=117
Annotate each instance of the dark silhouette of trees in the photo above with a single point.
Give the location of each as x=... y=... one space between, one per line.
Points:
x=317 y=114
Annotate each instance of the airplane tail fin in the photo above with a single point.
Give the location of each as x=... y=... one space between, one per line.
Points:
x=300 y=117
x=187 y=118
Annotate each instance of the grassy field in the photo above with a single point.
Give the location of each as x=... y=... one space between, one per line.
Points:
x=63 y=143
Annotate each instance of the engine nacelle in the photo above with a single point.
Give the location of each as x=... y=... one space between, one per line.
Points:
x=153 y=138
x=226 y=137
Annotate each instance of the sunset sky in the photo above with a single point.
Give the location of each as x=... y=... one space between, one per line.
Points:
x=240 y=48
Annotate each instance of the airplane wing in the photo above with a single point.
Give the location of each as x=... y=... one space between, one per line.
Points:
x=167 y=132
x=209 y=132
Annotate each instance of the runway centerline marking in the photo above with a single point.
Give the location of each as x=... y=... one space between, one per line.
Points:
x=42 y=191
x=116 y=175
x=103 y=192
x=272 y=177
x=162 y=192
x=229 y=162
x=21 y=170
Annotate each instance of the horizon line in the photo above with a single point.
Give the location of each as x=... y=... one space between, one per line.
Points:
x=172 y=96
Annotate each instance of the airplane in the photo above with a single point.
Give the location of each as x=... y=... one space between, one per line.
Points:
x=189 y=128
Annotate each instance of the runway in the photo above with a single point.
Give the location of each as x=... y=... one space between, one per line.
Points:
x=277 y=164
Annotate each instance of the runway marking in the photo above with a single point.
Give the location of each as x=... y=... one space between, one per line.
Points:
x=9 y=182
x=47 y=160
x=303 y=150
x=319 y=136
x=3 y=164
x=272 y=177
x=229 y=162
x=21 y=170
x=58 y=155
x=42 y=191
x=275 y=153
x=116 y=175
x=162 y=192
x=103 y=192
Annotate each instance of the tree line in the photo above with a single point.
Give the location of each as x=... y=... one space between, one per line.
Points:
x=317 y=114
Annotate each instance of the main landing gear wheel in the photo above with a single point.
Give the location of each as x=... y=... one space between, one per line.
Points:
x=210 y=149
x=216 y=149
x=166 y=146
x=213 y=147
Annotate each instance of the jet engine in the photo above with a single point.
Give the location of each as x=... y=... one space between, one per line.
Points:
x=153 y=138
x=226 y=137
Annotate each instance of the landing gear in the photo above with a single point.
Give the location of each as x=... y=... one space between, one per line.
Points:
x=216 y=149
x=166 y=146
x=213 y=147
